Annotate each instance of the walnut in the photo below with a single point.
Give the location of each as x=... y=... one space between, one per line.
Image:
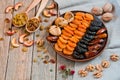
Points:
x=97 y=10
x=97 y=74
x=99 y=67
x=105 y=64
x=108 y=7
x=107 y=17
x=83 y=73
x=90 y=68
x=114 y=57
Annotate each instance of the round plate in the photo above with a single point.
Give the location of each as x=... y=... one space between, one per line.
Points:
x=86 y=59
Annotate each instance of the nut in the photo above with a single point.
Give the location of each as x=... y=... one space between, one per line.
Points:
x=97 y=74
x=105 y=64
x=107 y=17
x=14 y=43
x=9 y=9
x=83 y=73
x=90 y=68
x=54 y=30
x=46 y=13
x=69 y=16
x=18 y=5
x=99 y=67
x=40 y=42
x=10 y=33
x=114 y=57
x=108 y=7
x=53 y=12
x=21 y=38
x=97 y=10
x=28 y=43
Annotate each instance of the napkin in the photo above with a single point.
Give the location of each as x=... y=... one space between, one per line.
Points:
x=113 y=44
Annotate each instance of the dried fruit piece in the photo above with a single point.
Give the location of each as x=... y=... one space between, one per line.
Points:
x=14 y=43
x=89 y=16
x=97 y=74
x=52 y=38
x=57 y=47
x=83 y=73
x=53 y=12
x=21 y=38
x=104 y=35
x=60 y=44
x=18 y=5
x=54 y=30
x=10 y=32
x=9 y=9
x=69 y=16
x=61 y=22
x=90 y=68
x=105 y=64
x=28 y=43
x=67 y=52
x=51 y=6
x=114 y=57
x=100 y=31
x=62 y=40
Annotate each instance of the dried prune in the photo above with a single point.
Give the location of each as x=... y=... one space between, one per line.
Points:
x=94 y=28
x=90 y=32
x=86 y=39
x=84 y=42
x=89 y=36
x=80 y=49
x=96 y=41
x=82 y=45
x=97 y=22
x=78 y=55
x=90 y=54
x=102 y=30
x=94 y=47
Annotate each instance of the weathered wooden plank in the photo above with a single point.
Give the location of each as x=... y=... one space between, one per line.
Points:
x=39 y=69
x=4 y=45
x=19 y=63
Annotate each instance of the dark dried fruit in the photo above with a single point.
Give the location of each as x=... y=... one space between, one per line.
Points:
x=94 y=47
x=104 y=35
x=90 y=54
x=52 y=38
x=78 y=55
x=102 y=30
x=96 y=41
x=82 y=45
x=80 y=50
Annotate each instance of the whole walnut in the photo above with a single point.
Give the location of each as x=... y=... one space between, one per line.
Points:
x=108 y=7
x=107 y=17
x=97 y=10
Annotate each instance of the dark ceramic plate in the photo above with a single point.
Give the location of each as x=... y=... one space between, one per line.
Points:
x=86 y=59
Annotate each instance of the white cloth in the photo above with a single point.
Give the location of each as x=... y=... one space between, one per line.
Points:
x=113 y=45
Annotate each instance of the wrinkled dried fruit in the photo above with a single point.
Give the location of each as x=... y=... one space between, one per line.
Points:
x=18 y=5
x=9 y=9
x=97 y=10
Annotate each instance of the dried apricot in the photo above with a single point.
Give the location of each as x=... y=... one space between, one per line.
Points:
x=85 y=24
x=66 y=33
x=65 y=37
x=79 y=14
x=74 y=39
x=82 y=26
x=71 y=28
x=60 y=44
x=79 y=33
x=69 y=48
x=62 y=40
x=67 y=52
x=72 y=44
x=73 y=25
x=89 y=16
x=79 y=18
x=57 y=47
x=68 y=30
x=78 y=37
x=77 y=22
x=82 y=30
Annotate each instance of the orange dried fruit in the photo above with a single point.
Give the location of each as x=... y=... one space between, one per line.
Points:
x=72 y=44
x=62 y=40
x=85 y=24
x=73 y=25
x=60 y=44
x=74 y=39
x=82 y=30
x=69 y=48
x=65 y=37
x=79 y=18
x=79 y=33
x=89 y=16
x=67 y=52
x=77 y=22
x=78 y=37
x=57 y=47
x=68 y=30
x=66 y=33
x=79 y=14
x=82 y=26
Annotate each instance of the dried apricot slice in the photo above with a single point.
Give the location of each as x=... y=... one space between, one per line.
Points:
x=60 y=44
x=65 y=37
x=78 y=37
x=82 y=30
x=72 y=44
x=85 y=24
x=77 y=22
x=68 y=30
x=69 y=48
x=82 y=26
x=57 y=47
x=71 y=28
x=67 y=52
x=74 y=39
x=89 y=16
x=66 y=33
x=79 y=14
x=79 y=18
x=73 y=25
x=62 y=40
x=79 y=33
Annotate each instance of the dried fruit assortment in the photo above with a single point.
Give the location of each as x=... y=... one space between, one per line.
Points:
x=82 y=34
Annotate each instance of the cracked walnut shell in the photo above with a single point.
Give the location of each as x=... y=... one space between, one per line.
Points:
x=105 y=64
x=83 y=73
x=97 y=74
x=90 y=68
x=114 y=57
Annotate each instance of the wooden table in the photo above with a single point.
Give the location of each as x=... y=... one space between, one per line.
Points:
x=18 y=65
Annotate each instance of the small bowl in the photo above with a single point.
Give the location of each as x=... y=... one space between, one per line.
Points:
x=86 y=59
